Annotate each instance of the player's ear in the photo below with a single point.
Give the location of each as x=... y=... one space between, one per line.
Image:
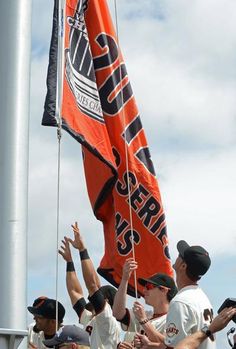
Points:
x=183 y=266
x=163 y=289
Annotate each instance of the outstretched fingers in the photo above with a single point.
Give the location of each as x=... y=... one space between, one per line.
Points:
x=222 y=319
x=78 y=241
x=64 y=250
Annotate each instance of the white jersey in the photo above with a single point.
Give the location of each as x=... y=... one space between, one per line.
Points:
x=35 y=339
x=103 y=328
x=189 y=311
x=134 y=326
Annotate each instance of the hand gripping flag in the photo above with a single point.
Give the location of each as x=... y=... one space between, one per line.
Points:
x=100 y=112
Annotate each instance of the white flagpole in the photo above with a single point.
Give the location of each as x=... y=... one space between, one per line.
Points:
x=60 y=58
x=15 y=44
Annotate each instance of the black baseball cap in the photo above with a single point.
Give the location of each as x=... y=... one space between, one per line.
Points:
x=38 y=301
x=68 y=334
x=46 y=307
x=160 y=279
x=196 y=258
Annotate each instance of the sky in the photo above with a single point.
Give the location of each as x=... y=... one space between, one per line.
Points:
x=180 y=56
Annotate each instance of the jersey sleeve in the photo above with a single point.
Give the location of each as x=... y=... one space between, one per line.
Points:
x=181 y=321
x=132 y=324
x=85 y=318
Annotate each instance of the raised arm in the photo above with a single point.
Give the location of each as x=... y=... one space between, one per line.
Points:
x=119 y=306
x=90 y=276
x=72 y=282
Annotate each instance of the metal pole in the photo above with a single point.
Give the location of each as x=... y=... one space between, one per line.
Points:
x=15 y=43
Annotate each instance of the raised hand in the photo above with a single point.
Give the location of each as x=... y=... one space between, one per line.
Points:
x=78 y=241
x=64 y=250
x=129 y=266
x=222 y=319
x=141 y=341
x=139 y=311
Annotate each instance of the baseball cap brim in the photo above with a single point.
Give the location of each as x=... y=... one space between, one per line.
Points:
x=34 y=311
x=158 y=282
x=38 y=311
x=182 y=246
x=51 y=342
x=143 y=282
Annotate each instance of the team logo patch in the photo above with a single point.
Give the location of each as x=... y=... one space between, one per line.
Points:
x=172 y=330
x=80 y=72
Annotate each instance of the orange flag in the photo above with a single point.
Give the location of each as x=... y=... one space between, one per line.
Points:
x=99 y=110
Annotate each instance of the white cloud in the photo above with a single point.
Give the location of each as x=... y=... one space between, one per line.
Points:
x=199 y=199
x=185 y=69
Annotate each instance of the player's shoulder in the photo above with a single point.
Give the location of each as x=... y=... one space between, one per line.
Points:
x=159 y=323
x=191 y=291
x=106 y=315
x=190 y=296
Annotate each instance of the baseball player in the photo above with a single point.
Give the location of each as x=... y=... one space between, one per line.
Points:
x=159 y=289
x=96 y=316
x=44 y=311
x=69 y=337
x=190 y=310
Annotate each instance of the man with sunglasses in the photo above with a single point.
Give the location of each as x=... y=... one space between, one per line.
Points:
x=44 y=311
x=190 y=310
x=159 y=289
x=69 y=337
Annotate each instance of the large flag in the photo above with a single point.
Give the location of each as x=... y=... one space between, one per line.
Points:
x=100 y=112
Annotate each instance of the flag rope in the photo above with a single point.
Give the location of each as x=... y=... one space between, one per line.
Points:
x=126 y=152
x=59 y=92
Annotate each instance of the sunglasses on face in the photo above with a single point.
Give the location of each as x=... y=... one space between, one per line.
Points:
x=150 y=286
